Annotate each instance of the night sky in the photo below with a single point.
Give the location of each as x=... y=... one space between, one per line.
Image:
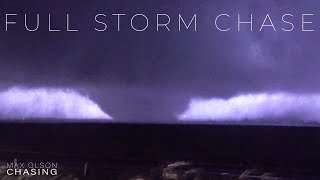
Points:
x=151 y=76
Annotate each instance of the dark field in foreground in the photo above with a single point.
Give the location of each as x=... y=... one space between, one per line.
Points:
x=138 y=149
x=179 y=170
x=292 y=122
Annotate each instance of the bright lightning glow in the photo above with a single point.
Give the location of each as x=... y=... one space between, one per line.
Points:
x=47 y=103
x=254 y=106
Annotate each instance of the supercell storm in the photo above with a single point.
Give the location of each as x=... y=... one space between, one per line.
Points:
x=20 y=103
x=147 y=62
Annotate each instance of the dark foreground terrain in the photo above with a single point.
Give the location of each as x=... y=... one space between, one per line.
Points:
x=155 y=151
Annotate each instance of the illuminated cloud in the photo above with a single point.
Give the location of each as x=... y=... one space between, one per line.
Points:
x=254 y=106
x=48 y=103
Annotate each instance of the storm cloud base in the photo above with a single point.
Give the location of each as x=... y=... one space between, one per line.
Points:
x=254 y=106
x=21 y=103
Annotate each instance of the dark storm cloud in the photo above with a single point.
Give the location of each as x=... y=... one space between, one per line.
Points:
x=153 y=74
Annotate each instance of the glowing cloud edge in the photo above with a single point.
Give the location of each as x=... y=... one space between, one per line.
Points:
x=254 y=106
x=53 y=103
